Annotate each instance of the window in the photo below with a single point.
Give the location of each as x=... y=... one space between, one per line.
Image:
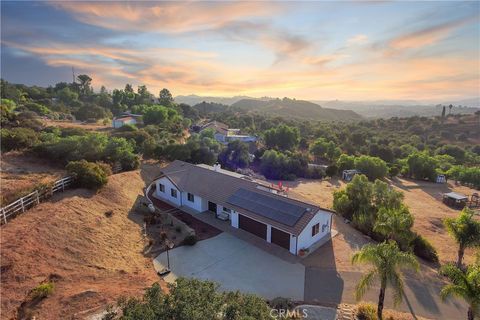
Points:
x=228 y=210
x=162 y=187
x=173 y=192
x=315 y=229
x=191 y=197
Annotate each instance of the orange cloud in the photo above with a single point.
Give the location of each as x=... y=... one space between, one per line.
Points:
x=428 y=36
x=164 y=16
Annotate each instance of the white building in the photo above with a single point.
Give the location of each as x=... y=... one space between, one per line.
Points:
x=245 y=204
x=120 y=122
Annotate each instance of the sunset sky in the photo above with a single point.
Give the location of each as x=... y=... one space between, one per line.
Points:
x=308 y=50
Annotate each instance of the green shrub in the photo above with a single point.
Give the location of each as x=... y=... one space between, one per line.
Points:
x=281 y=303
x=366 y=311
x=43 y=290
x=424 y=249
x=18 y=138
x=89 y=174
x=190 y=240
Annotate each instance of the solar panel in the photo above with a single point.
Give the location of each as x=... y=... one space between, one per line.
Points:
x=273 y=208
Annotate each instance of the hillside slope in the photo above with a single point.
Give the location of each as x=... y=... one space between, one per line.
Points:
x=295 y=108
x=95 y=259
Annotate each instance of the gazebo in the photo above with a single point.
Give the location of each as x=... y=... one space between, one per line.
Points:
x=455 y=200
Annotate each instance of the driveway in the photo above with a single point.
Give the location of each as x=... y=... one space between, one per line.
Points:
x=236 y=265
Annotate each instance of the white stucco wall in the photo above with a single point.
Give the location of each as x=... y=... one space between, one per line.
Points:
x=199 y=204
x=167 y=194
x=305 y=239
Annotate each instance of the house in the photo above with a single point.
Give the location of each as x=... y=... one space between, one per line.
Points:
x=348 y=175
x=244 y=203
x=224 y=135
x=120 y=122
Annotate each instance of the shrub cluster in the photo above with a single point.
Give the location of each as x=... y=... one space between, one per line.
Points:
x=89 y=175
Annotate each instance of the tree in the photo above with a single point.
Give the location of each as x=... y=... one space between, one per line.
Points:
x=372 y=167
x=322 y=148
x=155 y=114
x=422 y=166
x=345 y=162
x=85 y=85
x=394 y=224
x=465 y=285
x=387 y=261
x=165 y=98
x=235 y=155
x=282 y=137
x=465 y=230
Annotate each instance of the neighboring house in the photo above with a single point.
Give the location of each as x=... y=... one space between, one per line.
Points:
x=224 y=135
x=120 y=122
x=348 y=175
x=244 y=203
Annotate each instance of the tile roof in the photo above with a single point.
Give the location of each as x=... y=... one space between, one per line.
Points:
x=219 y=187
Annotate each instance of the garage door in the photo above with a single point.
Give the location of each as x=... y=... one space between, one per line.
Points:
x=257 y=228
x=281 y=238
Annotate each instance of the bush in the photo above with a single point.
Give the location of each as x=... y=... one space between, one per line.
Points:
x=190 y=240
x=424 y=249
x=89 y=174
x=280 y=303
x=366 y=311
x=17 y=138
x=42 y=290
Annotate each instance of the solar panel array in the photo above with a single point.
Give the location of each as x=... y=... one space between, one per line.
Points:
x=273 y=208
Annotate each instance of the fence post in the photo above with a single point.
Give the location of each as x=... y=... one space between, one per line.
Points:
x=21 y=202
x=4 y=216
x=38 y=196
x=63 y=184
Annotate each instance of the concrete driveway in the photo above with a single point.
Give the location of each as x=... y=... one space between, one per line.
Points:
x=236 y=265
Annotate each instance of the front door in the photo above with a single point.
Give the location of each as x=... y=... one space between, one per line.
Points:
x=212 y=207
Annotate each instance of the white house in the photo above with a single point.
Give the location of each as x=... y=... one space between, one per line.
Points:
x=120 y=122
x=244 y=203
x=224 y=135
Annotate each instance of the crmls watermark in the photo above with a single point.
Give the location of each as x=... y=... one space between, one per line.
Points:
x=289 y=314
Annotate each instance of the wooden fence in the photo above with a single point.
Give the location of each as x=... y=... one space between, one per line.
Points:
x=32 y=199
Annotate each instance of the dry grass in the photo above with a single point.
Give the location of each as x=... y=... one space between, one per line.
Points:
x=71 y=124
x=22 y=173
x=94 y=258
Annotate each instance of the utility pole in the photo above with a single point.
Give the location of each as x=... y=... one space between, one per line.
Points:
x=73 y=75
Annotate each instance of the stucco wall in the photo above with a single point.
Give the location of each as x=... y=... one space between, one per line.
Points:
x=199 y=204
x=167 y=194
x=305 y=239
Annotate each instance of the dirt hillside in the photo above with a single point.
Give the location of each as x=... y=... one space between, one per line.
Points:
x=93 y=258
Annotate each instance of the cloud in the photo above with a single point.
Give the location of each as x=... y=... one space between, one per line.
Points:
x=426 y=36
x=168 y=17
x=357 y=39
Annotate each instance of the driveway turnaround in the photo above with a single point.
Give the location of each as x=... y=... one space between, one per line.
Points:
x=236 y=265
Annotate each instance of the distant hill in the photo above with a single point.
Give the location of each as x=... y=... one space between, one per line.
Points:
x=389 y=109
x=194 y=99
x=294 y=108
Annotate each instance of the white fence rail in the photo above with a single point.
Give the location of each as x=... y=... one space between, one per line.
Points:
x=32 y=199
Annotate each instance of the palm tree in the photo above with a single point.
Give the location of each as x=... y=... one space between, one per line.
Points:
x=386 y=259
x=465 y=285
x=395 y=224
x=465 y=230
